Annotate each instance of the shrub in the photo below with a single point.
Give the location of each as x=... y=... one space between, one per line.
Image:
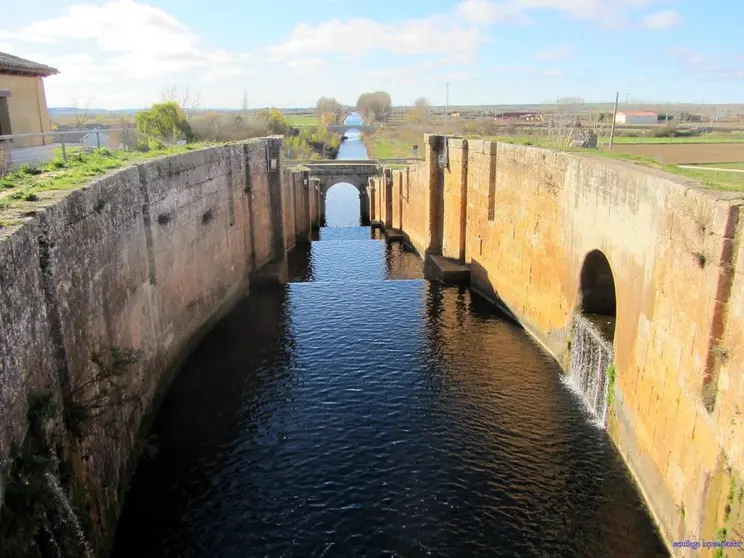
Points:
x=165 y=121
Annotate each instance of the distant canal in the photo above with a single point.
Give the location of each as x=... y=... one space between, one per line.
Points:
x=363 y=411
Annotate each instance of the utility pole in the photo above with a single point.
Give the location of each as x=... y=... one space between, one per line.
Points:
x=614 y=117
x=446 y=102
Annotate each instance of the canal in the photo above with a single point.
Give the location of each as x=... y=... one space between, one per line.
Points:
x=361 y=410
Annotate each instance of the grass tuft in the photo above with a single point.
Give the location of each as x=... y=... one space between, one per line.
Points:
x=27 y=183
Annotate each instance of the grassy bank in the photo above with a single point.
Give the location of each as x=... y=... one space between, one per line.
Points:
x=397 y=142
x=25 y=190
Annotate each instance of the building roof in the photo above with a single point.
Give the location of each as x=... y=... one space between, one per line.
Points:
x=10 y=64
x=638 y=113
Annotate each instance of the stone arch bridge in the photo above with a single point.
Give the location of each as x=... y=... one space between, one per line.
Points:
x=326 y=174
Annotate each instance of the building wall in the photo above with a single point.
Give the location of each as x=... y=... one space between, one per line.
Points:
x=27 y=107
x=532 y=217
x=623 y=118
x=146 y=258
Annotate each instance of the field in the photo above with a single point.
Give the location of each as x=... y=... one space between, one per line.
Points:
x=709 y=138
x=717 y=180
x=739 y=166
x=301 y=119
x=686 y=153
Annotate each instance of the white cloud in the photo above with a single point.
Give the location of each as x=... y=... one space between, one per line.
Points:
x=699 y=66
x=356 y=37
x=661 y=20
x=127 y=39
x=686 y=56
x=611 y=13
x=530 y=70
x=484 y=12
x=557 y=53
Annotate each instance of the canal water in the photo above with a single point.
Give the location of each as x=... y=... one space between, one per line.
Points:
x=361 y=410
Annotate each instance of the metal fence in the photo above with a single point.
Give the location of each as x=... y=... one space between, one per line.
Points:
x=38 y=148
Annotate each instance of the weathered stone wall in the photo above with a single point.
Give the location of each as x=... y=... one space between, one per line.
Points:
x=455 y=200
x=532 y=216
x=415 y=204
x=302 y=205
x=146 y=258
x=314 y=202
x=288 y=204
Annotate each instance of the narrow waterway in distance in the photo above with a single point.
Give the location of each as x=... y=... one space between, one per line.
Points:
x=361 y=410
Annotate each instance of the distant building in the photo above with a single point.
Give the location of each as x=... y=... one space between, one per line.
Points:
x=639 y=117
x=527 y=115
x=23 y=108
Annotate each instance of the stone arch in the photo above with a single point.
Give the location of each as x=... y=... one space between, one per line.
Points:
x=597 y=294
x=359 y=182
x=355 y=181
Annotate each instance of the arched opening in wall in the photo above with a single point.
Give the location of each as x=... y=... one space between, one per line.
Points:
x=592 y=368
x=342 y=206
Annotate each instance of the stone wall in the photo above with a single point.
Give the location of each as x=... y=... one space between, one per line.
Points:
x=147 y=258
x=530 y=217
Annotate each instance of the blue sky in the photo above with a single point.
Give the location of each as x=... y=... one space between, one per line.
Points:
x=127 y=53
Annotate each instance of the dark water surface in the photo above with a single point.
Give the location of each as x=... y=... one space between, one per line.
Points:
x=363 y=411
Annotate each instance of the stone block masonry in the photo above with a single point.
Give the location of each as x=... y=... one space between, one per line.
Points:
x=146 y=258
x=526 y=221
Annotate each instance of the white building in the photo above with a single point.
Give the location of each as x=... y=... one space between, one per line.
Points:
x=636 y=118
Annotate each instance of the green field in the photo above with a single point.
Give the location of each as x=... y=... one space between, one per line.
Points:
x=716 y=180
x=739 y=166
x=301 y=119
x=710 y=138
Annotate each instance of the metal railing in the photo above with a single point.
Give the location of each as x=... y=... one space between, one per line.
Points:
x=38 y=148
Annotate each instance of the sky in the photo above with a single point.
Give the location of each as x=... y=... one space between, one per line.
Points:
x=287 y=53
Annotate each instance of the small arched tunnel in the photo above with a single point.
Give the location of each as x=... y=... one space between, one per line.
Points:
x=597 y=285
x=597 y=294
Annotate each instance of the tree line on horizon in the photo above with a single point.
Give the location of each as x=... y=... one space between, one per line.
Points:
x=375 y=106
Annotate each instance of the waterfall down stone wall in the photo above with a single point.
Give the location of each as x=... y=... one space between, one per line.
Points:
x=591 y=356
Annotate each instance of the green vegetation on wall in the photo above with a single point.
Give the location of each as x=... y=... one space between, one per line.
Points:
x=610 y=385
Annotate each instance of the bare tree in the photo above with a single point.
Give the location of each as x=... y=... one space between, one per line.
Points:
x=375 y=106
x=420 y=111
x=329 y=110
x=188 y=101
x=80 y=114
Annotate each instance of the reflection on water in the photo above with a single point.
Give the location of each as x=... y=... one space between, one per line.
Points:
x=342 y=206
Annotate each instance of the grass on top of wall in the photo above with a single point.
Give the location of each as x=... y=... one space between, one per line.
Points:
x=20 y=191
